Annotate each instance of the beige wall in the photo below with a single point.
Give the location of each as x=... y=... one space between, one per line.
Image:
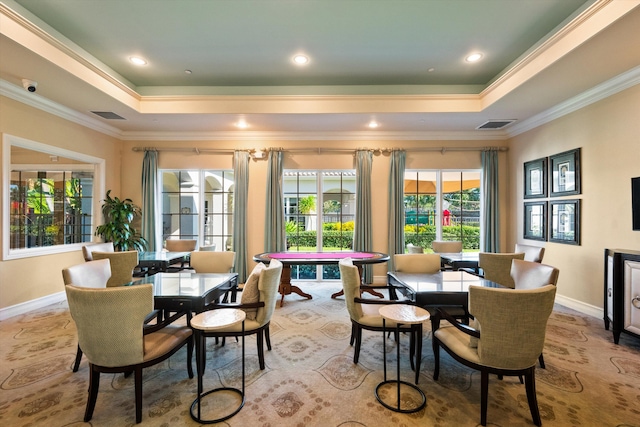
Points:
x=609 y=134
x=26 y=279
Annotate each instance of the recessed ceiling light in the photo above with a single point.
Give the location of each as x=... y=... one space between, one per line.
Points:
x=137 y=60
x=301 y=59
x=373 y=124
x=474 y=57
x=241 y=124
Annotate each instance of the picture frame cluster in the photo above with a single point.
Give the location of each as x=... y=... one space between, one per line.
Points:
x=554 y=176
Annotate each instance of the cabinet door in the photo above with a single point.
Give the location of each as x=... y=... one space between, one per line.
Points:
x=632 y=296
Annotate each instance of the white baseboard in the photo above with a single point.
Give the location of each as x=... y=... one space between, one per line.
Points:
x=25 y=307
x=580 y=306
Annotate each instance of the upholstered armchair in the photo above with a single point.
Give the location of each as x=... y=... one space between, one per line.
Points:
x=259 y=302
x=364 y=314
x=122 y=265
x=531 y=253
x=215 y=262
x=413 y=249
x=118 y=342
x=417 y=263
x=497 y=267
x=91 y=274
x=507 y=341
x=87 y=250
x=427 y=264
x=532 y=275
x=180 y=245
x=442 y=247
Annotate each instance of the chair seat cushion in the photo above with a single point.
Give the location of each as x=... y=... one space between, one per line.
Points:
x=250 y=291
x=457 y=342
x=159 y=343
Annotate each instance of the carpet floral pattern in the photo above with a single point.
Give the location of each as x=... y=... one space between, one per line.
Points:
x=310 y=378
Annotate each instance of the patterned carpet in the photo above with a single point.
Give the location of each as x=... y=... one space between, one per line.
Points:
x=310 y=378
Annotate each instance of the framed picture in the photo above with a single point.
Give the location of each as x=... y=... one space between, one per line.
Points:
x=565 y=173
x=535 y=220
x=564 y=221
x=535 y=178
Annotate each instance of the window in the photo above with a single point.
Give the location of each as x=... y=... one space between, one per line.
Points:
x=198 y=204
x=50 y=208
x=307 y=228
x=442 y=205
x=50 y=198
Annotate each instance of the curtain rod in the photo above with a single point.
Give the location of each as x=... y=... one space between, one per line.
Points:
x=318 y=150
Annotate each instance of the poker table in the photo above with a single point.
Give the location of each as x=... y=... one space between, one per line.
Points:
x=315 y=258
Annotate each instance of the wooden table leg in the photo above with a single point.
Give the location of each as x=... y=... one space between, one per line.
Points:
x=287 y=288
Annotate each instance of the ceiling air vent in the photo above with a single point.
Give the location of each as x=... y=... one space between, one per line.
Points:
x=109 y=115
x=496 y=124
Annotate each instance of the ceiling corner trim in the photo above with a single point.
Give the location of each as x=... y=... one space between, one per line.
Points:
x=611 y=87
x=590 y=22
x=80 y=64
x=33 y=100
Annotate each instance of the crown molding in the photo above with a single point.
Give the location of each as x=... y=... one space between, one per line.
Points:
x=41 y=103
x=588 y=97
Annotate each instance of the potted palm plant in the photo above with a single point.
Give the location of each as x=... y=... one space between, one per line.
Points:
x=119 y=215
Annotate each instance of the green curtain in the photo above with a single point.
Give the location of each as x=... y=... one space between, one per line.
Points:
x=362 y=236
x=274 y=230
x=149 y=200
x=240 y=204
x=396 y=205
x=491 y=208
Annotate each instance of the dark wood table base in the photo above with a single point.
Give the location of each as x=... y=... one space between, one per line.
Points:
x=286 y=288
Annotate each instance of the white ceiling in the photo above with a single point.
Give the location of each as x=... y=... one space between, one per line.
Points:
x=400 y=63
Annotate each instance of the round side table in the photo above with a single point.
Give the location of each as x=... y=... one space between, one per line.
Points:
x=206 y=324
x=403 y=314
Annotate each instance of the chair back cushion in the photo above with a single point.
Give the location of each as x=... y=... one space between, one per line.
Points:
x=446 y=247
x=531 y=253
x=268 y=284
x=91 y=274
x=530 y=275
x=250 y=291
x=350 y=278
x=513 y=324
x=110 y=322
x=180 y=245
x=497 y=267
x=413 y=249
x=212 y=262
x=210 y=248
x=417 y=263
x=122 y=265
x=87 y=250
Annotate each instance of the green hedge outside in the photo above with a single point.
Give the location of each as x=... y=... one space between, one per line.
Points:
x=423 y=237
x=426 y=234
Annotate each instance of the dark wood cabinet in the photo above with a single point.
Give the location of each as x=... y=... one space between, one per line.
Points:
x=622 y=292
